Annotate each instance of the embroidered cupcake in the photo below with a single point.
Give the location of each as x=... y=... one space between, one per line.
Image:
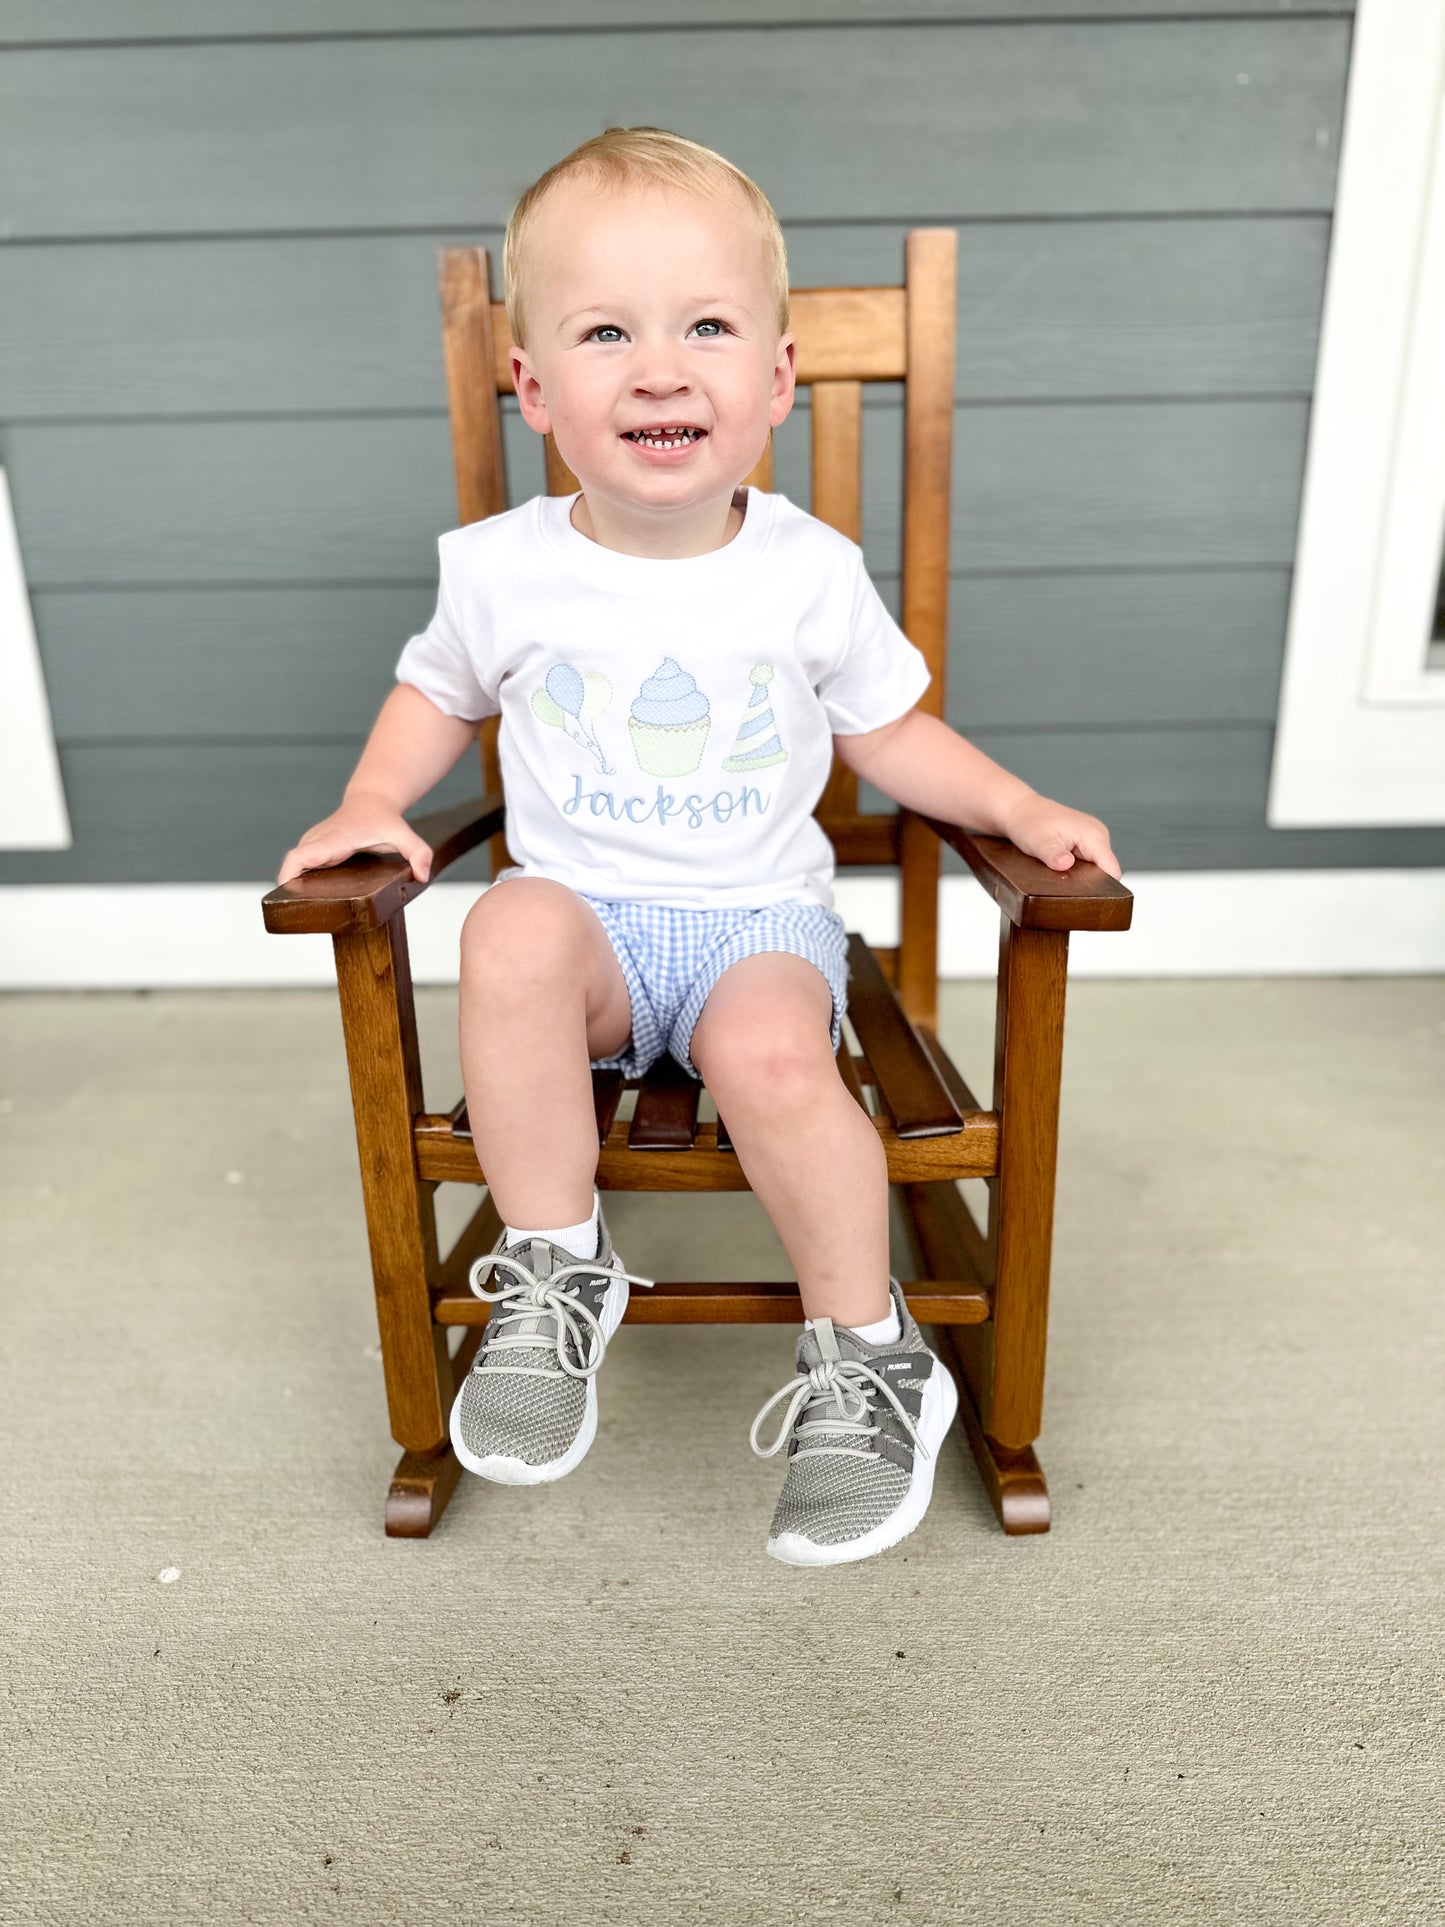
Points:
x=669 y=722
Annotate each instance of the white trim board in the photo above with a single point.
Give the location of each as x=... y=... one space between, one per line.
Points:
x=33 y=815
x=1241 y=923
x=1360 y=735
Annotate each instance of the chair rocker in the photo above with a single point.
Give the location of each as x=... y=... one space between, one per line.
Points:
x=985 y=1288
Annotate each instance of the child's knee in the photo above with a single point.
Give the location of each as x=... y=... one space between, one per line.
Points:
x=761 y=1056
x=529 y=917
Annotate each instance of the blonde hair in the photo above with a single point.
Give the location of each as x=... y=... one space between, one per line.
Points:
x=625 y=157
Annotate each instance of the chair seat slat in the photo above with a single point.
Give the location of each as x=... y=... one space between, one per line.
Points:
x=904 y=1075
x=953 y=1078
x=666 y=1115
x=607 y=1089
x=848 y=1070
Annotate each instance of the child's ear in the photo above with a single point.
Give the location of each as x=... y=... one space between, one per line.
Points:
x=521 y=373
x=528 y=391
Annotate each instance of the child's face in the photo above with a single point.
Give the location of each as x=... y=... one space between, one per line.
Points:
x=678 y=329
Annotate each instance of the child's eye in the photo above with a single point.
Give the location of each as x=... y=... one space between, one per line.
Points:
x=608 y=327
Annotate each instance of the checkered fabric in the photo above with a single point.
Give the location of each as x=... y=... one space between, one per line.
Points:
x=672 y=958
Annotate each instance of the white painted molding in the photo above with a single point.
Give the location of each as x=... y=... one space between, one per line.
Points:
x=33 y=815
x=1360 y=736
x=1241 y=923
x=1398 y=669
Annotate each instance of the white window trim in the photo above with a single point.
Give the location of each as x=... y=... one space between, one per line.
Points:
x=33 y=815
x=1360 y=737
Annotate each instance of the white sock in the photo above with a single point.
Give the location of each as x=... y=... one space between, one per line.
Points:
x=582 y=1240
x=884 y=1331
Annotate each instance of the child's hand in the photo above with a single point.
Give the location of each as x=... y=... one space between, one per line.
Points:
x=1056 y=834
x=363 y=823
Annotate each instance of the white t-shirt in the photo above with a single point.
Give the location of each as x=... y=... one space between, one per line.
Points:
x=666 y=724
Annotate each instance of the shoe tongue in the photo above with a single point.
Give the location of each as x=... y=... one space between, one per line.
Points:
x=827 y=1340
x=543 y=1259
x=539 y=1255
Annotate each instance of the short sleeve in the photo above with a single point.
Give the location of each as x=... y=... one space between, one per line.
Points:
x=879 y=675
x=440 y=663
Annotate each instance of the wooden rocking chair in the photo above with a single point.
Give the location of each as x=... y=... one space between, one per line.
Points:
x=986 y=1289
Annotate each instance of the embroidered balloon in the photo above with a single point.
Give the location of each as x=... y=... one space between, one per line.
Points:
x=565 y=687
x=569 y=701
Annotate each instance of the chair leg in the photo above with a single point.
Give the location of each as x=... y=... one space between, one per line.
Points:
x=1001 y=1363
x=1012 y=1476
x=378 y=1016
x=1028 y=1069
x=948 y=1244
x=423 y=1482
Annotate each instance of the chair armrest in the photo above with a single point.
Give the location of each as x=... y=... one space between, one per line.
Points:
x=369 y=888
x=1032 y=895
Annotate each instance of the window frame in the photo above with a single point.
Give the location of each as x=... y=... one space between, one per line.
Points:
x=1360 y=734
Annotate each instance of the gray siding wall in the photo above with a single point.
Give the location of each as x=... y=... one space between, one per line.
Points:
x=222 y=406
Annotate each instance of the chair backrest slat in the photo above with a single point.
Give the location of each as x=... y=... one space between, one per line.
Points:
x=838 y=456
x=838 y=501
x=469 y=349
x=846 y=336
x=930 y=258
x=930 y=255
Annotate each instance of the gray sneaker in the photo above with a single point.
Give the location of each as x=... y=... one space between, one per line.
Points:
x=527 y=1410
x=862 y=1429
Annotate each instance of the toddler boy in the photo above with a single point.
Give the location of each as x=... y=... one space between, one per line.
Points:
x=675 y=658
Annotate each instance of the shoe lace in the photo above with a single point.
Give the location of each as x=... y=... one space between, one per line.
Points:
x=531 y=1295
x=839 y=1381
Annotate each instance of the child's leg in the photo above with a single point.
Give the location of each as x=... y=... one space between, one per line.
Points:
x=542 y=994
x=764 y=1048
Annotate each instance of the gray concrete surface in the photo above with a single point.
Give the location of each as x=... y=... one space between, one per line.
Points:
x=1211 y=1694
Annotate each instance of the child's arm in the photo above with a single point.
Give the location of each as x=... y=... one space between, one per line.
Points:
x=928 y=767
x=412 y=745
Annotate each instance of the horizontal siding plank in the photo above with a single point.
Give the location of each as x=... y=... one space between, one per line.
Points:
x=334 y=501
x=1046 y=310
x=1187 y=799
x=1037 y=486
x=220 y=810
x=1024 y=651
x=1001 y=120
x=226 y=811
x=247 y=662
x=72 y=21
x=1071 y=651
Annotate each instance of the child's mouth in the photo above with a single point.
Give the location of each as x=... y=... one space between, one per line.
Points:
x=662 y=446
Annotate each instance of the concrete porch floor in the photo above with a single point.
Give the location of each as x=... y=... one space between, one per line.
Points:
x=1211 y=1694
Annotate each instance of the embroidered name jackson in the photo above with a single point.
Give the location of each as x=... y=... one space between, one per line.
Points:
x=693 y=809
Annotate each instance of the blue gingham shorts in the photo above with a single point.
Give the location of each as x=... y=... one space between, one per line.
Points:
x=672 y=958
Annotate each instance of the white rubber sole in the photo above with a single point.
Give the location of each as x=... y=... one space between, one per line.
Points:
x=508 y=1471
x=940 y=1406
